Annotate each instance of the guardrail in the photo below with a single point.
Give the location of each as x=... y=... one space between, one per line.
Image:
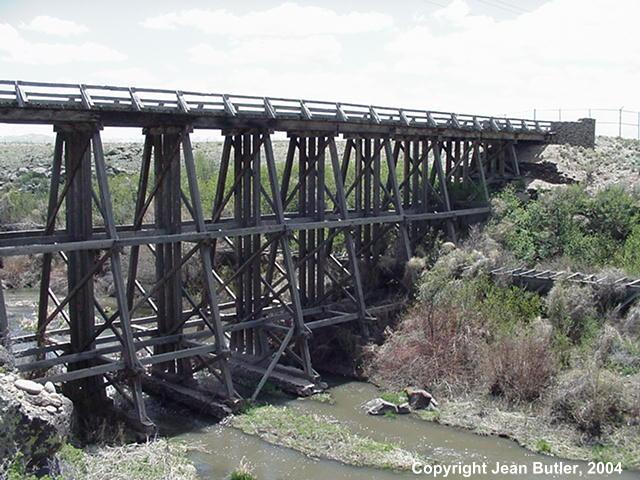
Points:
x=101 y=97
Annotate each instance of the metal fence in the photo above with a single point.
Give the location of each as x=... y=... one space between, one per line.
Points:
x=618 y=122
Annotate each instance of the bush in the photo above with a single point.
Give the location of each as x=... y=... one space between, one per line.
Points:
x=521 y=366
x=433 y=345
x=572 y=310
x=567 y=222
x=629 y=256
x=23 y=207
x=631 y=323
x=509 y=307
x=608 y=294
x=591 y=399
x=243 y=472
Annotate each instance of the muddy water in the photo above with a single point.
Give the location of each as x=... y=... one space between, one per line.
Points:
x=223 y=448
x=227 y=447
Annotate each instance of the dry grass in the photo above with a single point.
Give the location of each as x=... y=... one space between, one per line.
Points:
x=592 y=399
x=154 y=460
x=571 y=308
x=520 y=367
x=321 y=437
x=432 y=346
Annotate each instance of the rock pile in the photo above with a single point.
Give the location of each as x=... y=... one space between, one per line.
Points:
x=418 y=399
x=34 y=419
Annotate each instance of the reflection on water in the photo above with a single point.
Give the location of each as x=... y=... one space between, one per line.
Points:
x=224 y=447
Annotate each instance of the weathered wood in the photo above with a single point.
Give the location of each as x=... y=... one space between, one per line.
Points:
x=88 y=393
x=273 y=262
x=206 y=257
x=129 y=349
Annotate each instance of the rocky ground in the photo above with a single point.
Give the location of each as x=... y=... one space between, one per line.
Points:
x=35 y=420
x=37 y=428
x=612 y=161
x=18 y=159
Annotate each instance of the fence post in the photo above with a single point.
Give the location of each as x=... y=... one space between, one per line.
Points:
x=534 y=114
x=560 y=114
x=620 y=122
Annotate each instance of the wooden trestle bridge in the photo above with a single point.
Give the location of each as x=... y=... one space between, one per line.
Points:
x=285 y=248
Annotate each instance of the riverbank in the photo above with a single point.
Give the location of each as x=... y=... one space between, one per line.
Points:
x=532 y=430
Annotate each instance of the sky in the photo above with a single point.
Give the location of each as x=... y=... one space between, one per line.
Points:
x=497 y=57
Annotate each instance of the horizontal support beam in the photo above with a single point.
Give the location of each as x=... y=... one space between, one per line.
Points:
x=49 y=244
x=222 y=122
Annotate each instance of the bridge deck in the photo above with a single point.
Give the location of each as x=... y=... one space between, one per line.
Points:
x=37 y=102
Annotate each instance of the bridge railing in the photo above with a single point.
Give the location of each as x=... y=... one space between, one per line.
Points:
x=102 y=97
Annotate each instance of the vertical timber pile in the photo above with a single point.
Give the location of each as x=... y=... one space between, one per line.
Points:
x=168 y=256
x=167 y=150
x=75 y=146
x=89 y=392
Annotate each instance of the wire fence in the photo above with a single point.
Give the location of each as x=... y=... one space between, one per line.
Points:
x=615 y=122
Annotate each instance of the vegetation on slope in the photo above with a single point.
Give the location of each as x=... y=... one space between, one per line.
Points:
x=565 y=365
x=570 y=226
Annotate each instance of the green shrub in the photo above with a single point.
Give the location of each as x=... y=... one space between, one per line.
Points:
x=542 y=446
x=123 y=188
x=19 y=206
x=509 y=307
x=243 y=472
x=629 y=256
x=569 y=222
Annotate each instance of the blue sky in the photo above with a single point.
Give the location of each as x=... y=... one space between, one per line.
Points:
x=483 y=56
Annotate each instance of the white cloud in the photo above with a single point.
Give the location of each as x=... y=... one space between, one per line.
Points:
x=54 y=26
x=129 y=76
x=15 y=48
x=318 y=50
x=564 y=53
x=288 y=19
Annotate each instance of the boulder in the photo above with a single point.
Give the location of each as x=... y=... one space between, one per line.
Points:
x=419 y=398
x=447 y=247
x=378 y=406
x=35 y=424
x=28 y=386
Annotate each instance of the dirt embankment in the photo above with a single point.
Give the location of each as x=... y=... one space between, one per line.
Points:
x=613 y=161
